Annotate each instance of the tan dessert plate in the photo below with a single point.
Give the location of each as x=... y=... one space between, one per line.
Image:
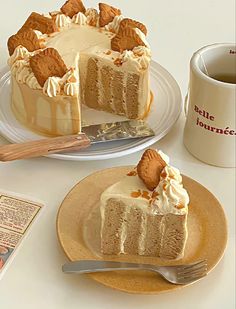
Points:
x=78 y=232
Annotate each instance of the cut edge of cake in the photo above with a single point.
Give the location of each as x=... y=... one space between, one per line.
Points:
x=122 y=65
x=141 y=220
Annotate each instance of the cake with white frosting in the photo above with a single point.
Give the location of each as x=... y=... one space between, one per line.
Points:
x=146 y=212
x=78 y=56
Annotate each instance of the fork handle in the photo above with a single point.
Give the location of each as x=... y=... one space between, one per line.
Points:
x=91 y=266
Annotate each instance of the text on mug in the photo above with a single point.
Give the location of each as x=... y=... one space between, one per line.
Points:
x=207 y=115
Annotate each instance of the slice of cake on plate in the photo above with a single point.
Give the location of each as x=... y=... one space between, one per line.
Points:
x=146 y=212
x=78 y=56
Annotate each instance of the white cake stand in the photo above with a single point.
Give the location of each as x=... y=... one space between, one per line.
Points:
x=165 y=110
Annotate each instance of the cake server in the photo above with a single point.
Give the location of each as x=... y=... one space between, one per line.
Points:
x=177 y=274
x=93 y=134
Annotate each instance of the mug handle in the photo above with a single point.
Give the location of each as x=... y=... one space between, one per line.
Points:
x=186 y=101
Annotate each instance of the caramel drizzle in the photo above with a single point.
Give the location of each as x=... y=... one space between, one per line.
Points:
x=53 y=108
x=31 y=110
x=144 y=194
x=146 y=113
x=132 y=173
x=75 y=117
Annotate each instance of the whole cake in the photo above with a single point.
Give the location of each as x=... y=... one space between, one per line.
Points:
x=146 y=212
x=78 y=56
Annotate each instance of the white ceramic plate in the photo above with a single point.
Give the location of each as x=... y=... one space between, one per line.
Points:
x=165 y=110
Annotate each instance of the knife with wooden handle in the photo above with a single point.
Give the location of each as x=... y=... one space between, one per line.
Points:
x=93 y=134
x=43 y=147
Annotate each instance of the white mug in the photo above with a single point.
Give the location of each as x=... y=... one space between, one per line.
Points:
x=210 y=131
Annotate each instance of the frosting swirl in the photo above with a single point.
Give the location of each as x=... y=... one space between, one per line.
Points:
x=140 y=62
x=142 y=36
x=143 y=62
x=48 y=15
x=71 y=89
x=70 y=80
x=79 y=19
x=20 y=53
x=171 y=195
x=142 y=51
x=127 y=55
x=32 y=82
x=115 y=24
x=164 y=157
x=52 y=86
x=62 y=21
x=21 y=70
x=38 y=33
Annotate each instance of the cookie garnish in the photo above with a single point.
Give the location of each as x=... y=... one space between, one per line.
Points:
x=28 y=39
x=127 y=22
x=54 y=15
x=150 y=167
x=92 y=17
x=126 y=39
x=72 y=7
x=39 y=22
x=47 y=63
x=107 y=14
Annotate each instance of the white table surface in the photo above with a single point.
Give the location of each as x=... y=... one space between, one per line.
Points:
x=34 y=279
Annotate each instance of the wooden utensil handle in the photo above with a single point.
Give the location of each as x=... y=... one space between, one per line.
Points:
x=43 y=147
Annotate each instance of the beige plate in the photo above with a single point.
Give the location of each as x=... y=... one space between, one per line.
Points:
x=207 y=230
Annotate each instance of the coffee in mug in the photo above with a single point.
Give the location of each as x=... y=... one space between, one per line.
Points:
x=225 y=78
x=209 y=132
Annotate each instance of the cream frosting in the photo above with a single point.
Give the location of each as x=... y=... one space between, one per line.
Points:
x=50 y=116
x=168 y=198
x=75 y=39
x=115 y=24
x=85 y=38
x=71 y=89
x=21 y=70
x=47 y=15
x=71 y=40
x=19 y=63
x=39 y=34
x=62 y=21
x=71 y=82
x=164 y=156
x=143 y=62
x=52 y=86
x=142 y=36
x=122 y=190
x=80 y=19
x=127 y=55
x=32 y=82
x=123 y=233
x=140 y=56
x=20 y=53
x=171 y=195
x=140 y=63
x=142 y=51
x=71 y=76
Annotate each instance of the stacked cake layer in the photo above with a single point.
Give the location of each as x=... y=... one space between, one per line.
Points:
x=78 y=56
x=145 y=218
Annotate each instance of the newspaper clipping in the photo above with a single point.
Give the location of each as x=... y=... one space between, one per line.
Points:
x=16 y=216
